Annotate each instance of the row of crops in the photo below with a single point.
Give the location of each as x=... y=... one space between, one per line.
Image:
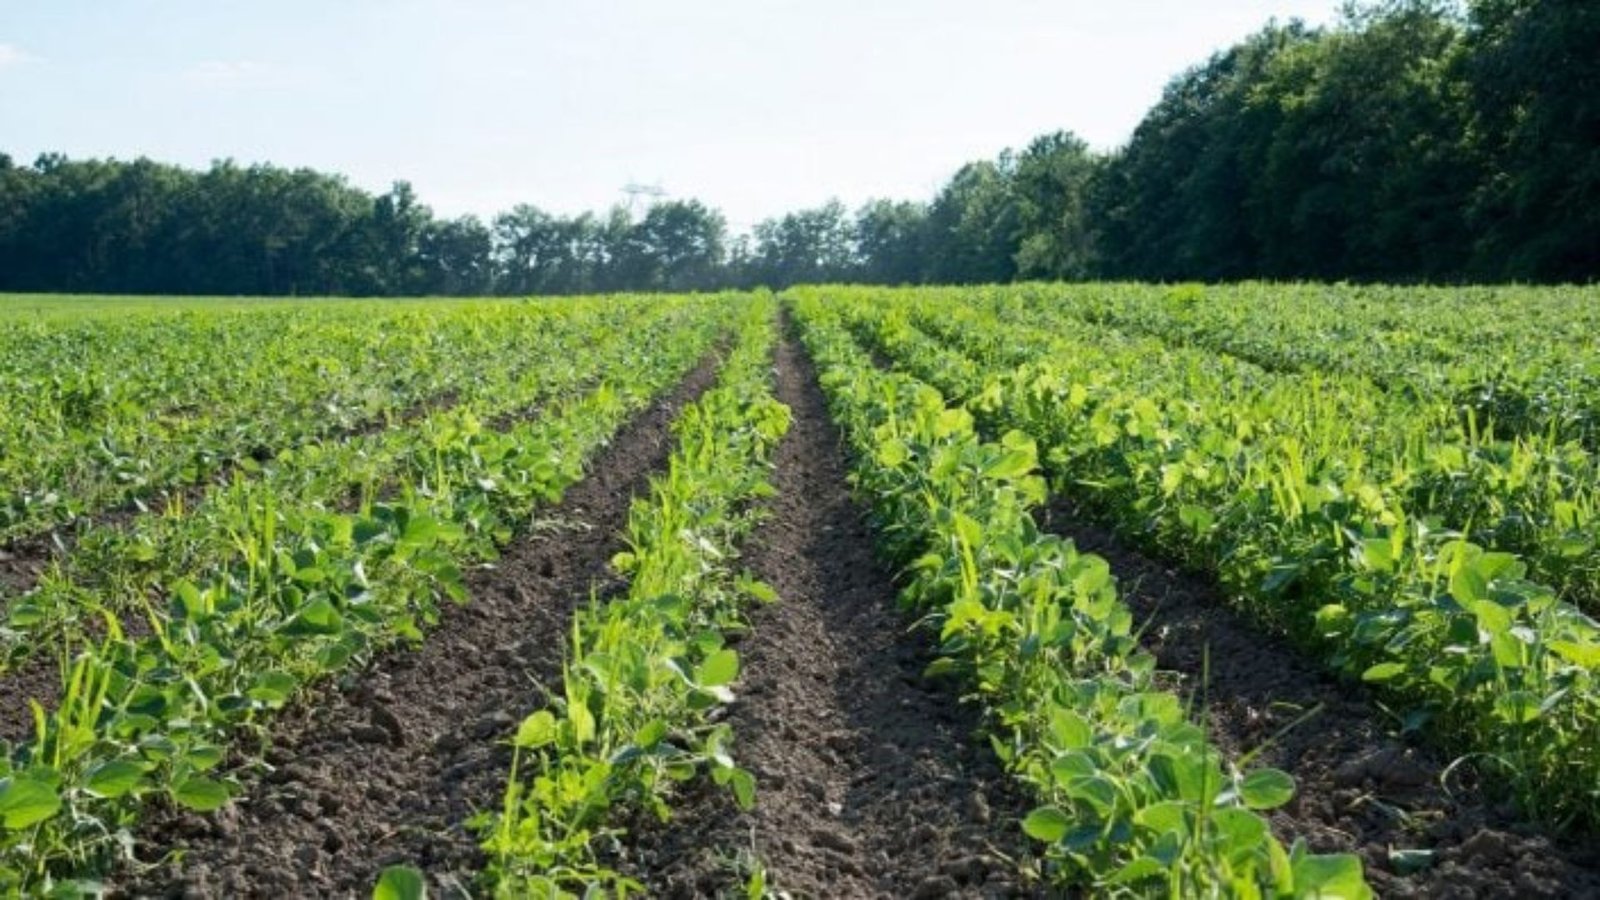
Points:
x=1131 y=794
x=1449 y=565
x=169 y=637
x=227 y=505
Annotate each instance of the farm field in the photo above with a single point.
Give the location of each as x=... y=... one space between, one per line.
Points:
x=1102 y=589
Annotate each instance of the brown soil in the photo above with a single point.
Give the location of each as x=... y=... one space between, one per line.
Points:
x=23 y=560
x=870 y=781
x=1359 y=787
x=388 y=770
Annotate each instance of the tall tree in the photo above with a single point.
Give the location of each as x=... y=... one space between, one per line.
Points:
x=889 y=239
x=454 y=256
x=1534 y=74
x=812 y=245
x=1366 y=173
x=973 y=226
x=681 y=246
x=1051 y=184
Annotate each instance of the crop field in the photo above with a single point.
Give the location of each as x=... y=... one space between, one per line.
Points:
x=1035 y=590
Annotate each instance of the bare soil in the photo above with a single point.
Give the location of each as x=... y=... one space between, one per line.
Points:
x=871 y=781
x=1360 y=788
x=387 y=769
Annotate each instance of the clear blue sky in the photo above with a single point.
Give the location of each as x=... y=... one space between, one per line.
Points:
x=755 y=107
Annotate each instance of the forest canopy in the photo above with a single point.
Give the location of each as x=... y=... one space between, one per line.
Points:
x=1415 y=140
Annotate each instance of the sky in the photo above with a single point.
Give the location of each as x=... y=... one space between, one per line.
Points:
x=755 y=107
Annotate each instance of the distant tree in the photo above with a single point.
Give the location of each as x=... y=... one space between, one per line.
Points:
x=1051 y=184
x=397 y=226
x=974 y=225
x=889 y=240
x=680 y=245
x=1366 y=172
x=455 y=257
x=812 y=245
x=1533 y=73
x=535 y=252
x=1175 y=202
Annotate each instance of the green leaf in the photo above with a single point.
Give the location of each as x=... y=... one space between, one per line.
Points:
x=272 y=688
x=536 y=730
x=115 y=778
x=1266 y=789
x=400 y=883
x=650 y=734
x=1239 y=830
x=1378 y=554
x=1586 y=655
x=718 y=669
x=1335 y=875
x=1517 y=707
x=759 y=591
x=892 y=453
x=744 y=788
x=1383 y=671
x=201 y=794
x=582 y=722
x=1467 y=586
x=25 y=801
x=1012 y=465
x=316 y=617
x=1139 y=870
x=1047 y=823
x=1069 y=730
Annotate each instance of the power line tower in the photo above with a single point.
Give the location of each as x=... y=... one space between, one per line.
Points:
x=635 y=190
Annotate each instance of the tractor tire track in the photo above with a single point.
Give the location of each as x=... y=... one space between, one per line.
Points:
x=389 y=770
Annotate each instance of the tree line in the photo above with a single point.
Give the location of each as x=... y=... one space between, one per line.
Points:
x=1415 y=140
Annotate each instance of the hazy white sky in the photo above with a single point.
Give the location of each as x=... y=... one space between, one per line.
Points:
x=756 y=107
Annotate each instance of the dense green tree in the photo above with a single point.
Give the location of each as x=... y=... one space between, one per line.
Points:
x=889 y=239
x=455 y=257
x=1051 y=185
x=1533 y=71
x=973 y=226
x=1174 y=203
x=396 y=229
x=1366 y=172
x=539 y=253
x=812 y=245
x=680 y=247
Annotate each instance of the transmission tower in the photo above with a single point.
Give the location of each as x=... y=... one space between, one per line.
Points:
x=635 y=190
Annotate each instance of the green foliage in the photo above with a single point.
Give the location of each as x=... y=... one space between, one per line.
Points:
x=647 y=672
x=1407 y=142
x=304 y=567
x=1388 y=533
x=1131 y=798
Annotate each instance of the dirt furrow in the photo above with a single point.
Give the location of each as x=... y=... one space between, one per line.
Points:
x=387 y=769
x=870 y=782
x=1360 y=787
